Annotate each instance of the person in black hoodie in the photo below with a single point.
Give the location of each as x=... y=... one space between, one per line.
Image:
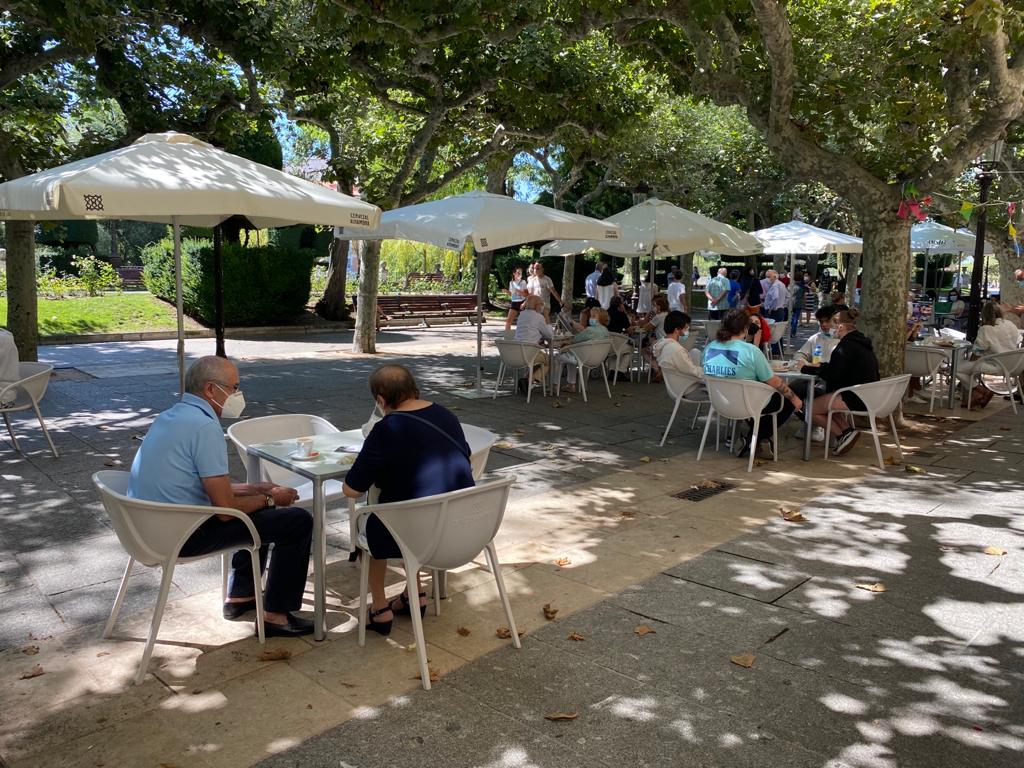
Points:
x=852 y=362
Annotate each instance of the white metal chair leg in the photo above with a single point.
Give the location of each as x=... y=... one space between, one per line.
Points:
x=224 y=568
x=828 y=431
x=10 y=431
x=492 y=561
x=671 y=419
x=364 y=585
x=413 y=601
x=604 y=374
x=254 y=558
x=752 y=447
x=435 y=577
x=497 y=384
x=693 y=424
x=154 y=627
x=581 y=379
x=46 y=432
x=112 y=619
x=896 y=437
x=775 y=437
x=878 y=443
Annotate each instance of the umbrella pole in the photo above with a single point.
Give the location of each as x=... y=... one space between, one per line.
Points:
x=179 y=304
x=480 y=287
x=218 y=289
x=924 y=279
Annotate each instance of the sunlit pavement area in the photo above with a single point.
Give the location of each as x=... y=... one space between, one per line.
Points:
x=666 y=594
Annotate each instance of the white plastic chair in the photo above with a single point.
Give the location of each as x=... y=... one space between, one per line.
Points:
x=153 y=533
x=622 y=349
x=778 y=336
x=676 y=385
x=440 y=533
x=589 y=355
x=711 y=328
x=738 y=399
x=265 y=429
x=1009 y=365
x=881 y=398
x=27 y=392
x=925 y=363
x=518 y=355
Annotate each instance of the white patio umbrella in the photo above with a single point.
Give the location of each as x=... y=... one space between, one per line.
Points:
x=177 y=179
x=489 y=222
x=657 y=226
x=798 y=237
x=931 y=237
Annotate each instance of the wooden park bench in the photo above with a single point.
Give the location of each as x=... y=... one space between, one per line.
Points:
x=131 y=277
x=424 y=307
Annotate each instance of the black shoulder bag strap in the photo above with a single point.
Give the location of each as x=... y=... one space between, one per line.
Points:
x=465 y=452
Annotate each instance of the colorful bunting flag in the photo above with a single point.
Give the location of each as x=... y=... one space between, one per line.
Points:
x=965 y=211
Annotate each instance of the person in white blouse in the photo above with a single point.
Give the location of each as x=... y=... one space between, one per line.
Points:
x=517 y=292
x=676 y=292
x=8 y=365
x=996 y=334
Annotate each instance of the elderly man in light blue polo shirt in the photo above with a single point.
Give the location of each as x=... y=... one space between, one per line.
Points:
x=184 y=460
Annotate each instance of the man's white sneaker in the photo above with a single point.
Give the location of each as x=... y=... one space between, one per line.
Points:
x=818 y=435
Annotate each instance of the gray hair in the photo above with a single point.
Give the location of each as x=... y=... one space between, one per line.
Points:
x=205 y=370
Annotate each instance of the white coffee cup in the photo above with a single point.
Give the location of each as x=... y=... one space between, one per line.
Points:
x=304 y=447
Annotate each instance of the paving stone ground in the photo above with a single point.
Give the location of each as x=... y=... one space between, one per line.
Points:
x=927 y=673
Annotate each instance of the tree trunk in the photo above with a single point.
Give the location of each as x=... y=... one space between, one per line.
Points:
x=568 y=276
x=333 y=304
x=851 y=278
x=22 y=308
x=886 y=262
x=115 y=250
x=1009 y=261
x=686 y=267
x=365 y=338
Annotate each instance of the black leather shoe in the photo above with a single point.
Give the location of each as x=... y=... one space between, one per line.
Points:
x=295 y=627
x=235 y=611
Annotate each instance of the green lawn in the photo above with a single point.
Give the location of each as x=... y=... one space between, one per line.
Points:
x=113 y=313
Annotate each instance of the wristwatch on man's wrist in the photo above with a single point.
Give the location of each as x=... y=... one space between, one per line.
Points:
x=270 y=501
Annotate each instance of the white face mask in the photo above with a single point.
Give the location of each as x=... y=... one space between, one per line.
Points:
x=233 y=406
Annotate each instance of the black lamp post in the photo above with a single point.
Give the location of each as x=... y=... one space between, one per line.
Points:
x=986 y=167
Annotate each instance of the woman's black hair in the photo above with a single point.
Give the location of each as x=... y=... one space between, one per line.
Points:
x=733 y=324
x=590 y=303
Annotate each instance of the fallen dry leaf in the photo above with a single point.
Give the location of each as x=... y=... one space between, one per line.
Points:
x=137 y=437
x=892 y=461
x=791 y=515
x=463 y=632
x=102 y=653
x=1004 y=429
x=758 y=463
x=708 y=484
x=561 y=716
x=309 y=706
x=576 y=636
x=519 y=432
x=563 y=561
x=454 y=408
x=503 y=632
x=625 y=513
x=102 y=427
x=556 y=404
x=112 y=463
x=503 y=445
x=745 y=660
x=876 y=587
x=645 y=459
x=432 y=673
x=36 y=671
x=915 y=470
x=618 y=405
x=997 y=551
x=663 y=461
x=276 y=654
x=30 y=650
x=643 y=629
x=549 y=612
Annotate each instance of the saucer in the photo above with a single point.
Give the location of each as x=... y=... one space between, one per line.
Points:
x=311 y=457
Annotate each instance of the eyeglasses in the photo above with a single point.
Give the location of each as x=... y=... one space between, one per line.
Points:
x=227 y=386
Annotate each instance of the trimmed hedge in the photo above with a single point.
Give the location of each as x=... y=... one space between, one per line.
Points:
x=262 y=285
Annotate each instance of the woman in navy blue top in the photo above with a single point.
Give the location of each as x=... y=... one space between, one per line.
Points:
x=418 y=449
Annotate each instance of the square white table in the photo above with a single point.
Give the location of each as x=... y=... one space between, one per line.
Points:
x=956 y=351
x=329 y=465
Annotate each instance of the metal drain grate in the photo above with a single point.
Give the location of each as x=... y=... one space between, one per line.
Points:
x=705 y=490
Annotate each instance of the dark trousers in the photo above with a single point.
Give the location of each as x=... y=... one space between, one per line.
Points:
x=764 y=428
x=289 y=529
x=715 y=314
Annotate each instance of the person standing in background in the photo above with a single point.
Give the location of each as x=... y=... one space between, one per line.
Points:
x=716 y=291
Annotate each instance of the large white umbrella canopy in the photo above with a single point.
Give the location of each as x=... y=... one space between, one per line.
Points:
x=657 y=226
x=178 y=179
x=798 y=237
x=489 y=222
x=934 y=237
x=486 y=220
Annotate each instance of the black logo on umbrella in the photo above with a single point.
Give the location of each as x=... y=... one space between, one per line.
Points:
x=93 y=202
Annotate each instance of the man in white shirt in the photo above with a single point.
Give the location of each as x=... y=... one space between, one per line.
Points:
x=8 y=365
x=591 y=282
x=717 y=290
x=540 y=285
x=805 y=357
x=776 y=298
x=673 y=357
x=533 y=328
x=677 y=292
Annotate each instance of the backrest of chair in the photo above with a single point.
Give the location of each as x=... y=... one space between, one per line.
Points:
x=882 y=397
x=677 y=383
x=518 y=354
x=480 y=442
x=778 y=331
x=922 y=361
x=450 y=529
x=711 y=327
x=265 y=429
x=591 y=353
x=619 y=342
x=1012 y=361
x=34 y=379
x=149 y=531
x=738 y=398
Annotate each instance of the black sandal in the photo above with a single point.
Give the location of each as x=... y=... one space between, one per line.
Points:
x=380 y=627
x=404 y=610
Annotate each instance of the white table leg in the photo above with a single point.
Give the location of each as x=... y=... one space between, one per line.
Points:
x=808 y=419
x=954 y=358
x=319 y=561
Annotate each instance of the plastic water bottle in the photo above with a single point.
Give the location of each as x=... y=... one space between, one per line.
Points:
x=816 y=357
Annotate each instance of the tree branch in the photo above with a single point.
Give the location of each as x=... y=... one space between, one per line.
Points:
x=18 y=66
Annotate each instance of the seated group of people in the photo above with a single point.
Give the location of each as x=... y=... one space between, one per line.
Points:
x=417 y=449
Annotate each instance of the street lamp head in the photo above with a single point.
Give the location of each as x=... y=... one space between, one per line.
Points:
x=992 y=155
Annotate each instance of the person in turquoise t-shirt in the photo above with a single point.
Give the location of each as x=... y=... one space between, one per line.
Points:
x=717 y=292
x=730 y=356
